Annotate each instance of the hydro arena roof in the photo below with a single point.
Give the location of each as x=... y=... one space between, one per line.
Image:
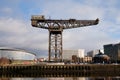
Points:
x=16 y=54
x=14 y=49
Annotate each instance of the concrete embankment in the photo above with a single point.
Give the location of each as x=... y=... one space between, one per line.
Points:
x=59 y=70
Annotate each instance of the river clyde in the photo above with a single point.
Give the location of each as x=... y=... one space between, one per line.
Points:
x=61 y=72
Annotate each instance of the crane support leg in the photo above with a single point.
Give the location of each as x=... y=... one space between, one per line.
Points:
x=55 y=45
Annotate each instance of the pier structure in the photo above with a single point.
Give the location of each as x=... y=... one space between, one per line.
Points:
x=55 y=28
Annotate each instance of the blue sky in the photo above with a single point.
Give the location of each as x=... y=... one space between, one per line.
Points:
x=16 y=30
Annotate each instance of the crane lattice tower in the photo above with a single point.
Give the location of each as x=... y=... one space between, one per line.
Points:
x=55 y=28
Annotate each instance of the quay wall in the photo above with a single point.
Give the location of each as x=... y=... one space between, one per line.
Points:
x=59 y=70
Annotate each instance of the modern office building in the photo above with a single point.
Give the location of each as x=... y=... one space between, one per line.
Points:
x=113 y=51
x=92 y=53
x=68 y=54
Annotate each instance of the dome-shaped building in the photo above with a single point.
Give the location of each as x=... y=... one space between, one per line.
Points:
x=15 y=55
x=101 y=58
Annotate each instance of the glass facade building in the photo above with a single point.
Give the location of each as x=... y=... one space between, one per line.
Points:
x=113 y=51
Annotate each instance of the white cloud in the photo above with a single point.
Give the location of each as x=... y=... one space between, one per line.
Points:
x=87 y=38
x=12 y=26
x=6 y=10
x=16 y=32
x=118 y=18
x=71 y=9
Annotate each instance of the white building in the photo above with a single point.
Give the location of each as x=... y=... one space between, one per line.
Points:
x=67 y=54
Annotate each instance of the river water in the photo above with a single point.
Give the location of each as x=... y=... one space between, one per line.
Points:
x=62 y=78
x=113 y=73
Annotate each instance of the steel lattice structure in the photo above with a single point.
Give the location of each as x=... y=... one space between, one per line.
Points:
x=55 y=28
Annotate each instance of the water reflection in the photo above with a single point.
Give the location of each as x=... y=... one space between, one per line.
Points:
x=65 y=78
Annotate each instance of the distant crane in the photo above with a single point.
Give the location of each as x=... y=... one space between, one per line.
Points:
x=55 y=28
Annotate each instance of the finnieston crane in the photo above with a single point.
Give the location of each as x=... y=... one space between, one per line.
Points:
x=55 y=28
